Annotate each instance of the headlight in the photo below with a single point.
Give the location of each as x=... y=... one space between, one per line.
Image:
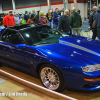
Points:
x=91 y=68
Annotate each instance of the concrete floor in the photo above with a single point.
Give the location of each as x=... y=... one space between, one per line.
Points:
x=14 y=86
x=11 y=85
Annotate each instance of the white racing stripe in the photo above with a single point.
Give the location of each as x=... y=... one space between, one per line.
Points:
x=37 y=86
x=79 y=47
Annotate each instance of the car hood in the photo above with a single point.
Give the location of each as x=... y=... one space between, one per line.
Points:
x=81 y=49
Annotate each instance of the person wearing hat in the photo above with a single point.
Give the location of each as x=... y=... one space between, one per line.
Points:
x=41 y=18
x=10 y=21
x=16 y=17
x=32 y=19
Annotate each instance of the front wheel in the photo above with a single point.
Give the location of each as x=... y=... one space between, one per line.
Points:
x=51 y=77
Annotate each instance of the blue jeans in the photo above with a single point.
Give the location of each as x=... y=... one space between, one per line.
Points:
x=55 y=26
x=50 y=24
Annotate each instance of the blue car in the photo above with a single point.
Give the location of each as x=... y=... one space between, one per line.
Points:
x=58 y=59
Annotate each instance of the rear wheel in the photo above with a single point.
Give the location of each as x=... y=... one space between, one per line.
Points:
x=51 y=77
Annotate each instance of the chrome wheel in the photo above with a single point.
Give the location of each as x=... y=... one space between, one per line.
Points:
x=49 y=78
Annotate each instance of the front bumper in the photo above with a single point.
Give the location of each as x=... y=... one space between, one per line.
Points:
x=81 y=84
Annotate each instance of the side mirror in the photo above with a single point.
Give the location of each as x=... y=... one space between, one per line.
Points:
x=21 y=46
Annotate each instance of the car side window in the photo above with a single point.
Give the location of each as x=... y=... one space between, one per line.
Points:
x=12 y=37
x=45 y=32
x=31 y=36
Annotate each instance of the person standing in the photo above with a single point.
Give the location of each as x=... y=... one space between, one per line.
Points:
x=25 y=13
x=37 y=17
x=49 y=18
x=33 y=12
x=97 y=17
x=22 y=21
x=4 y=21
x=26 y=17
x=78 y=11
x=91 y=18
x=52 y=11
x=29 y=14
x=19 y=15
x=17 y=20
x=75 y=22
x=69 y=12
x=10 y=21
x=64 y=22
x=55 y=18
x=32 y=19
x=41 y=18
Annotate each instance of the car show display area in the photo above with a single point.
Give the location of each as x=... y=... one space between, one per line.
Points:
x=39 y=56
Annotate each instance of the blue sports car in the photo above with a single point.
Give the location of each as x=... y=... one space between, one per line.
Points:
x=59 y=60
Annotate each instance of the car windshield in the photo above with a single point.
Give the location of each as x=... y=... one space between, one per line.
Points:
x=42 y=35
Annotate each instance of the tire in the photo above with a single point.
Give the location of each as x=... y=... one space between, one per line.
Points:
x=51 y=78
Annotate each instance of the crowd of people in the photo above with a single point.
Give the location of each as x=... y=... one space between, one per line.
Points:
x=59 y=19
x=69 y=22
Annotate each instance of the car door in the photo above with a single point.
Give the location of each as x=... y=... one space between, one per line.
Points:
x=12 y=55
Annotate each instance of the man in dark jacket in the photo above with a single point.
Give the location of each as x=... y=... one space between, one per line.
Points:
x=91 y=18
x=26 y=17
x=75 y=22
x=97 y=17
x=25 y=14
x=37 y=17
x=55 y=18
x=64 y=23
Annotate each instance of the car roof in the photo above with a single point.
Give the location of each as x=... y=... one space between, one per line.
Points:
x=24 y=26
